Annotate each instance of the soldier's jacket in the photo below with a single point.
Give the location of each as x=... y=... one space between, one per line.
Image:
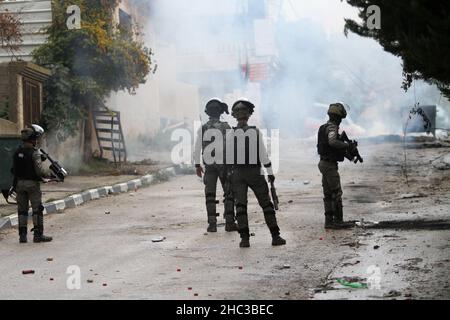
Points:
x=27 y=164
x=206 y=137
x=249 y=148
x=329 y=145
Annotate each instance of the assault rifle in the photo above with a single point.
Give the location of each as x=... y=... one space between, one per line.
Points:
x=352 y=153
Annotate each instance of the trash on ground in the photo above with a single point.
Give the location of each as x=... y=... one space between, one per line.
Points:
x=107 y=212
x=354 y=283
x=158 y=239
x=306 y=182
x=28 y=272
x=90 y=281
x=392 y=294
x=376 y=247
x=49 y=259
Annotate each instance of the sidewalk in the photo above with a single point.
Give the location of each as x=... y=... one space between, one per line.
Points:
x=77 y=190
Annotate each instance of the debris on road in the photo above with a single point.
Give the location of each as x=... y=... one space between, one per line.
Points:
x=349 y=264
x=307 y=182
x=28 y=272
x=107 y=212
x=49 y=259
x=376 y=247
x=90 y=281
x=392 y=294
x=354 y=283
x=158 y=239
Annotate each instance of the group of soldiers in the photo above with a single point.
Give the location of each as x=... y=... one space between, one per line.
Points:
x=237 y=177
x=244 y=171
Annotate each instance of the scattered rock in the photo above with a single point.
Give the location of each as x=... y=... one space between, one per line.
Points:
x=90 y=281
x=392 y=294
x=376 y=247
x=107 y=212
x=306 y=182
x=49 y=259
x=28 y=272
x=291 y=201
x=158 y=239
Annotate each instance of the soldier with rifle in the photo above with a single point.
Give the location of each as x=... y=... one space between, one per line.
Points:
x=334 y=148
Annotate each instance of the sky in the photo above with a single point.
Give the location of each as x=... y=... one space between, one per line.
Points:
x=329 y=14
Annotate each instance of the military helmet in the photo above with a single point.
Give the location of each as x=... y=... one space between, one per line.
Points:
x=242 y=105
x=216 y=106
x=337 y=109
x=32 y=133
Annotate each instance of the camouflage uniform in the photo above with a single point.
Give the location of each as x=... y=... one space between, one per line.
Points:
x=331 y=151
x=28 y=173
x=214 y=172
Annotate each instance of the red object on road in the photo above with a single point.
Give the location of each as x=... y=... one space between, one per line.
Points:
x=178 y=270
x=28 y=272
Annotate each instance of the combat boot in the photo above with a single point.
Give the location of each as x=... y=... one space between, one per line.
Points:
x=338 y=220
x=38 y=229
x=277 y=240
x=23 y=229
x=212 y=227
x=23 y=235
x=245 y=242
x=329 y=221
x=230 y=225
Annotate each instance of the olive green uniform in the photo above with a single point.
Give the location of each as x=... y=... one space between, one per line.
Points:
x=215 y=172
x=248 y=174
x=28 y=175
x=328 y=166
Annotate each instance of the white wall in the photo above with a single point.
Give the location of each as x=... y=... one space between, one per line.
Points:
x=36 y=15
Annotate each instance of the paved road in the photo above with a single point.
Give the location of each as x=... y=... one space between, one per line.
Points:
x=118 y=260
x=116 y=249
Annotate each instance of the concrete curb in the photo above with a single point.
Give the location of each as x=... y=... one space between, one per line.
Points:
x=76 y=200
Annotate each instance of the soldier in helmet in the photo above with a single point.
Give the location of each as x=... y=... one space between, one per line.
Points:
x=332 y=150
x=28 y=175
x=248 y=158
x=215 y=167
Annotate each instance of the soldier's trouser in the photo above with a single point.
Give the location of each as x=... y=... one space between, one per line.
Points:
x=212 y=175
x=243 y=178
x=332 y=190
x=29 y=191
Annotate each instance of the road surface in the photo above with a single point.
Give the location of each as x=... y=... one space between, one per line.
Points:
x=117 y=259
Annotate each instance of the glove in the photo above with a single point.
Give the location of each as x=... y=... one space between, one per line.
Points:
x=199 y=171
x=271 y=178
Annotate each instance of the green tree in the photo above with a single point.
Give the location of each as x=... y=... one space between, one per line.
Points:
x=417 y=31
x=88 y=64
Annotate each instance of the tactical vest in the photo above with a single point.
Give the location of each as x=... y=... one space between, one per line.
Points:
x=24 y=164
x=324 y=149
x=250 y=153
x=214 y=125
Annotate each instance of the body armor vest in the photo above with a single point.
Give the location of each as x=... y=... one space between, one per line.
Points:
x=248 y=155
x=24 y=164
x=324 y=149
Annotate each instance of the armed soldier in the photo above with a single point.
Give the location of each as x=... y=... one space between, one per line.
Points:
x=248 y=158
x=332 y=150
x=28 y=175
x=215 y=167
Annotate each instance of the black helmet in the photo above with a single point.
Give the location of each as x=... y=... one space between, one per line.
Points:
x=242 y=105
x=216 y=107
x=32 y=133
